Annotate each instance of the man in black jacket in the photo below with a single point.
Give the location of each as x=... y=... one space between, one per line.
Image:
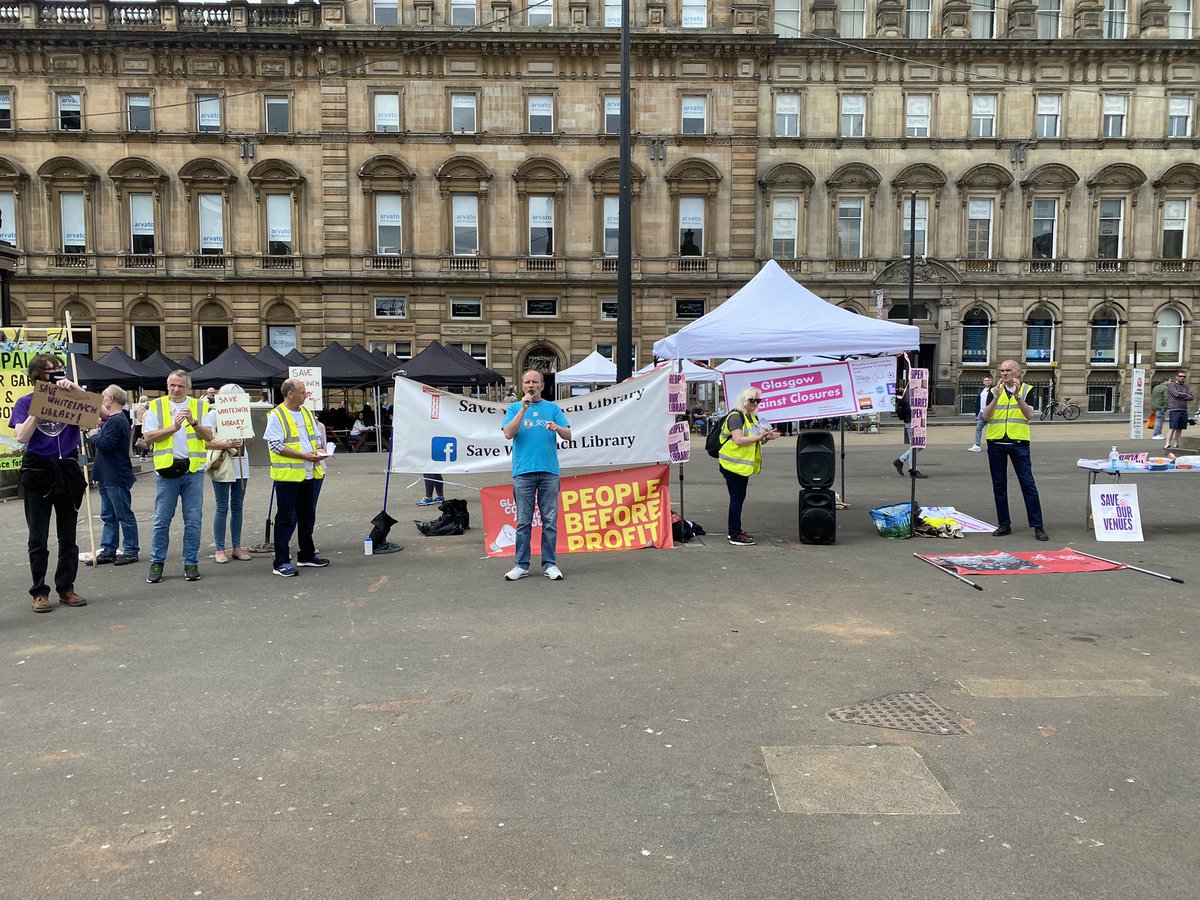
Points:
x=113 y=471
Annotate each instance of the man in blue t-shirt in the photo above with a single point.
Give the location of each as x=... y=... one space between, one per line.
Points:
x=535 y=426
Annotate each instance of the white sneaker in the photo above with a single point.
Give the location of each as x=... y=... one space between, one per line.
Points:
x=975 y=448
x=515 y=573
x=553 y=573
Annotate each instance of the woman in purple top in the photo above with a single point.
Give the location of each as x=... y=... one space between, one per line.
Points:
x=51 y=482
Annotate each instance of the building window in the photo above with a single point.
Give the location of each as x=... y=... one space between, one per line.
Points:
x=612 y=113
x=1049 y=115
x=1114 y=19
x=388 y=233
x=689 y=309
x=70 y=112
x=694 y=14
x=391 y=308
x=983 y=115
x=920 y=312
x=691 y=226
x=279 y=225
x=137 y=112
x=387 y=112
x=612 y=225
x=916 y=19
x=787 y=115
x=785 y=226
x=541 y=113
x=466 y=309
x=146 y=340
x=608 y=311
x=73 y=222
x=922 y=223
x=1049 y=19
x=466 y=224
x=477 y=352
x=1105 y=331
x=8 y=217
x=208 y=113
x=141 y=224
x=850 y=228
x=983 y=19
x=694 y=111
x=979 y=229
x=1045 y=229
x=463 y=118
x=541 y=307
x=541 y=13
x=1039 y=336
x=6 y=117
x=1115 y=106
x=541 y=226
x=402 y=350
x=282 y=338
x=385 y=12
x=917 y=108
x=278 y=115
x=462 y=12
x=787 y=18
x=214 y=340
x=976 y=336
x=1111 y=228
x=853 y=19
x=853 y=115
x=1168 y=337
x=612 y=13
x=1175 y=222
x=1179 y=116
x=1179 y=20
x=212 y=224
x=1102 y=390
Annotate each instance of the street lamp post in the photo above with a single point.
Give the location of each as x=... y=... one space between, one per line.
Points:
x=625 y=218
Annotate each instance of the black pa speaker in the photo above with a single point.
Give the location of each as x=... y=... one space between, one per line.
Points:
x=816 y=459
x=818 y=516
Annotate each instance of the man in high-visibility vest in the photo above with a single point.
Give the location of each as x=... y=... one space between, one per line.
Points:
x=173 y=429
x=296 y=455
x=1008 y=413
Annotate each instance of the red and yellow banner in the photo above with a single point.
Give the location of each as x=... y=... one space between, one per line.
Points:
x=621 y=509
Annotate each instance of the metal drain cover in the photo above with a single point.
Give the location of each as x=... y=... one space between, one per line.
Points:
x=904 y=712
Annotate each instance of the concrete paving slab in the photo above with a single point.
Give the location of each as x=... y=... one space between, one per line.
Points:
x=1042 y=688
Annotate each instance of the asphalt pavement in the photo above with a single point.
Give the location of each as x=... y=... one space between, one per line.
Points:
x=655 y=726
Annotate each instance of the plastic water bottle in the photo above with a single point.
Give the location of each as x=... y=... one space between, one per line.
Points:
x=1114 y=459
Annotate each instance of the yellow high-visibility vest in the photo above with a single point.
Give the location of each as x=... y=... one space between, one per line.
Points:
x=1007 y=421
x=289 y=468
x=745 y=459
x=164 y=449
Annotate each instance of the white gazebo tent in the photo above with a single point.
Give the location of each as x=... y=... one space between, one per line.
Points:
x=592 y=369
x=691 y=371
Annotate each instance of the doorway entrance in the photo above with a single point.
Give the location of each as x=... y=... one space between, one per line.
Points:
x=544 y=359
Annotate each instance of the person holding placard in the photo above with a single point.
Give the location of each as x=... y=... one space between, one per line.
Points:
x=229 y=482
x=51 y=484
x=297 y=454
x=1008 y=413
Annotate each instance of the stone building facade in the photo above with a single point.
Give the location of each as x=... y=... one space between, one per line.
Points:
x=183 y=175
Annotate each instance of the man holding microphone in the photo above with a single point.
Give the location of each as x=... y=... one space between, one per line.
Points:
x=535 y=426
x=1007 y=415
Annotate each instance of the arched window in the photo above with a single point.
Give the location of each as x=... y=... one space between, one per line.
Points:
x=693 y=186
x=1168 y=337
x=387 y=185
x=463 y=184
x=976 y=337
x=1105 y=330
x=145 y=329
x=541 y=189
x=213 y=321
x=1039 y=336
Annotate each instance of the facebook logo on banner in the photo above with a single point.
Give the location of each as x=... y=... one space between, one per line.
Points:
x=444 y=449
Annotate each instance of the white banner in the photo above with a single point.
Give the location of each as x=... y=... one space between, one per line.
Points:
x=1116 y=515
x=622 y=425
x=311 y=376
x=1137 y=405
x=790 y=393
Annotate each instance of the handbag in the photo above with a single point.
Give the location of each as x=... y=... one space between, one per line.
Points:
x=220 y=466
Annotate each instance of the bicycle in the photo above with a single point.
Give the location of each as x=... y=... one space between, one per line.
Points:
x=1066 y=409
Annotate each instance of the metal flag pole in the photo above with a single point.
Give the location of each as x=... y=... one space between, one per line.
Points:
x=1134 y=568
x=843 y=463
x=941 y=568
x=87 y=478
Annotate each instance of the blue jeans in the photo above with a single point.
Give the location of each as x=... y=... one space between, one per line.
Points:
x=229 y=496
x=116 y=512
x=188 y=491
x=998 y=457
x=1160 y=419
x=540 y=488
x=979 y=426
x=737 y=485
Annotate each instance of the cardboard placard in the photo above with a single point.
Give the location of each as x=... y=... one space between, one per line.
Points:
x=679 y=442
x=918 y=399
x=72 y=406
x=676 y=394
x=1115 y=512
x=311 y=376
x=233 y=416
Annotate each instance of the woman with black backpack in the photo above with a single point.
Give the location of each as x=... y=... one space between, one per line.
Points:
x=740 y=456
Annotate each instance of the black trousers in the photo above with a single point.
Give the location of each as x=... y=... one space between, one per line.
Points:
x=295 y=511
x=38 y=510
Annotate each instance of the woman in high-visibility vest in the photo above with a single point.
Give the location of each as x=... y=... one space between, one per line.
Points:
x=742 y=437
